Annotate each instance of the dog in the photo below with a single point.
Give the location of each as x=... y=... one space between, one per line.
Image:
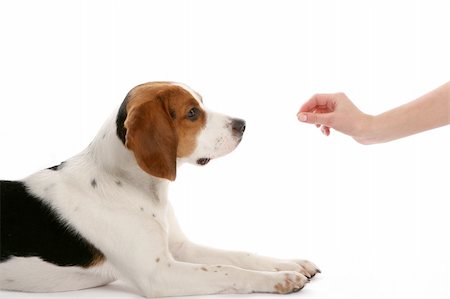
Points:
x=104 y=214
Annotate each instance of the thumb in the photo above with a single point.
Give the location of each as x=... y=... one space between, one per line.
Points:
x=314 y=118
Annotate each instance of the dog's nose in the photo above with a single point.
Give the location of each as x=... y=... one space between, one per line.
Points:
x=238 y=126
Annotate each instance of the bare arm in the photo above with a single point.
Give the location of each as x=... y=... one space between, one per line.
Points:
x=336 y=111
x=430 y=111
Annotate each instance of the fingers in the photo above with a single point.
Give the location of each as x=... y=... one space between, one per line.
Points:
x=320 y=110
x=315 y=118
x=325 y=130
x=331 y=111
x=320 y=120
x=319 y=101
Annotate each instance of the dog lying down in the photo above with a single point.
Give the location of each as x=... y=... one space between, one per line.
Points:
x=104 y=213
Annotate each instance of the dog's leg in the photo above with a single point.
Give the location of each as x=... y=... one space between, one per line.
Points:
x=184 y=250
x=139 y=252
x=193 y=253
x=144 y=259
x=172 y=278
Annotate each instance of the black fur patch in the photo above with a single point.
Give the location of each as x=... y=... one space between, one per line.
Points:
x=57 y=167
x=120 y=120
x=31 y=228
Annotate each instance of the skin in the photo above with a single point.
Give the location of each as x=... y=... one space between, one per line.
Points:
x=337 y=111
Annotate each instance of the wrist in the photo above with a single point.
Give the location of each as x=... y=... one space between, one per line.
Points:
x=366 y=131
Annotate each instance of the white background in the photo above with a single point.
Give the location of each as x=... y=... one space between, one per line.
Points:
x=375 y=219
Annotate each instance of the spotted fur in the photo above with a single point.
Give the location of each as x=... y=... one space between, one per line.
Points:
x=105 y=214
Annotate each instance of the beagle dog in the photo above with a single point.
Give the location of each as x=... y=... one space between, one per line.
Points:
x=104 y=214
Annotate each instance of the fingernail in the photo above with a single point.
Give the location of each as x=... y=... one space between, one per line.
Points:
x=302 y=117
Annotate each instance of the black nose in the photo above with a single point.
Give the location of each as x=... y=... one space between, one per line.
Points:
x=238 y=126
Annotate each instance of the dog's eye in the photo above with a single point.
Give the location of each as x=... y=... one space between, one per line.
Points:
x=193 y=114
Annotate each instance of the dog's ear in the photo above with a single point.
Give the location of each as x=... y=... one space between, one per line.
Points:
x=151 y=135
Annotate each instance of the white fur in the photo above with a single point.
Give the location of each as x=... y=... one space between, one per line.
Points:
x=32 y=274
x=133 y=225
x=194 y=94
x=216 y=139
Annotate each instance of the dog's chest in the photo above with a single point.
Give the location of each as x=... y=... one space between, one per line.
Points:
x=153 y=211
x=149 y=205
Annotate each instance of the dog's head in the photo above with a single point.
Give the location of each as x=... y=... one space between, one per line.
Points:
x=163 y=122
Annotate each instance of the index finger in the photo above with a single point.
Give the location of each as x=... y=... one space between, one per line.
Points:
x=317 y=100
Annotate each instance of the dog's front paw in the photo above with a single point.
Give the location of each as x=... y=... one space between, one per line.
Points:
x=289 y=282
x=304 y=267
x=309 y=267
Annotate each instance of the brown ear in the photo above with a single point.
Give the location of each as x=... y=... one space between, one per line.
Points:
x=152 y=138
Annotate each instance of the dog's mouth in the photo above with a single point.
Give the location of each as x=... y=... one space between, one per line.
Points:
x=203 y=161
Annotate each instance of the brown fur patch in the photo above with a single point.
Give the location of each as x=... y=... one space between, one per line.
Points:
x=158 y=130
x=97 y=259
x=289 y=286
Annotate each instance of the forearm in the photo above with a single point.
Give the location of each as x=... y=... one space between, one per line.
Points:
x=430 y=111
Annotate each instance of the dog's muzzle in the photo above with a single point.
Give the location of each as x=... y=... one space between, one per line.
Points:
x=238 y=127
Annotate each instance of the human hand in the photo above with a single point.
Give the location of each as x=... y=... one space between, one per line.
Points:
x=335 y=111
x=338 y=112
